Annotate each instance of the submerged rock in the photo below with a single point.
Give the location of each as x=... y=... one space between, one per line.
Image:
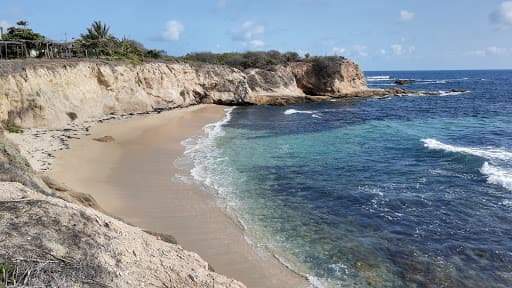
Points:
x=403 y=82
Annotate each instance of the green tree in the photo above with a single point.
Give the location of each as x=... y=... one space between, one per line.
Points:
x=22 y=23
x=22 y=33
x=97 y=31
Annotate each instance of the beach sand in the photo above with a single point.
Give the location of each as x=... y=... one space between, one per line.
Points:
x=133 y=178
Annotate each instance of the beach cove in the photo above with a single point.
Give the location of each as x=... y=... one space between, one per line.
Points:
x=132 y=178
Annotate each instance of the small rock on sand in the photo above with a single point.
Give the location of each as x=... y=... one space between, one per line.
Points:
x=105 y=139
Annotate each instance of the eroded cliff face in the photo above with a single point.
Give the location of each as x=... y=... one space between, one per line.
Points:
x=42 y=96
x=52 y=94
x=329 y=78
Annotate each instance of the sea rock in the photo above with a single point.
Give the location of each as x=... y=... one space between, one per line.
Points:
x=403 y=82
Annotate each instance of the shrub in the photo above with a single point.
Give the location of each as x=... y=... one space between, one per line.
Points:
x=14 y=129
x=6 y=276
x=72 y=116
x=265 y=60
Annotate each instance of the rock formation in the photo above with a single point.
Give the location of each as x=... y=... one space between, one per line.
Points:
x=52 y=93
x=327 y=77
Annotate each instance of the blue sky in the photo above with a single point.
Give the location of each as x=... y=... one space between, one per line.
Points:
x=380 y=35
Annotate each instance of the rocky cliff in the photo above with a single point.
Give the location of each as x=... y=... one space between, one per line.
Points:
x=328 y=77
x=51 y=94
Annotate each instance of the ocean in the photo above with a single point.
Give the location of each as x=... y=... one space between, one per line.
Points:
x=412 y=191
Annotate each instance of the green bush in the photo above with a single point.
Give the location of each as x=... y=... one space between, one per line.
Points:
x=72 y=116
x=14 y=129
x=265 y=60
x=7 y=270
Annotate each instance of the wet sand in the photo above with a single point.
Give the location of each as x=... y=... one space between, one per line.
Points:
x=133 y=178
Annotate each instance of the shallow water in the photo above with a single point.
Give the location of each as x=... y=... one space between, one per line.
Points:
x=406 y=192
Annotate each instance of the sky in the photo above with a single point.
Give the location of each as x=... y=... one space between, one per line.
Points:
x=378 y=34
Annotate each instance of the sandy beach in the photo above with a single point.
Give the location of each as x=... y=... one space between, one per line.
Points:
x=133 y=178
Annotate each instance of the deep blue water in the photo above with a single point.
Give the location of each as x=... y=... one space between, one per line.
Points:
x=409 y=191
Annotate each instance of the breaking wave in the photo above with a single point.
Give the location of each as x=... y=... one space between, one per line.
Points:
x=293 y=111
x=488 y=153
x=378 y=78
x=497 y=175
x=496 y=169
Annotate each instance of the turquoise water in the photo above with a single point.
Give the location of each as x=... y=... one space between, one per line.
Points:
x=406 y=192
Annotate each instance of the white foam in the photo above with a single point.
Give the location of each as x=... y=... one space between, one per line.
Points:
x=293 y=111
x=201 y=151
x=378 y=78
x=451 y=93
x=497 y=175
x=488 y=153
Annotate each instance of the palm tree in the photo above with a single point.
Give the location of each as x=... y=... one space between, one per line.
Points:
x=97 y=31
x=22 y=23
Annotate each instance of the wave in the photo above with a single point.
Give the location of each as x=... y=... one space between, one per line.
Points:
x=203 y=153
x=293 y=111
x=378 y=78
x=451 y=93
x=488 y=153
x=498 y=175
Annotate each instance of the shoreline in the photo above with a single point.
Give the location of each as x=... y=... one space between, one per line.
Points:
x=141 y=158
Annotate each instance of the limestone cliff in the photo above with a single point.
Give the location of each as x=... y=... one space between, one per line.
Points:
x=326 y=77
x=44 y=96
x=52 y=93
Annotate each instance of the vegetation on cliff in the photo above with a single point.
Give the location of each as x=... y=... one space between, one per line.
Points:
x=98 y=42
x=265 y=60
x=22 y=32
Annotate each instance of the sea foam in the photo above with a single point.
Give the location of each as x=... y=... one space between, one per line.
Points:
x=496 y=174
x=378 y=78
x=488 y=153
x=293 y=111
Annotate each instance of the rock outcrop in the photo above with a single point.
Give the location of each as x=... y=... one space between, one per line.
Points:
x=327 y=77
x=50 y=94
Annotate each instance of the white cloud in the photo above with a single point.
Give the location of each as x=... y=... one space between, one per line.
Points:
x=502 y=16
x=490 y=51
x=249 y=34
x=340 y=51
x=173 y=30
x=256 y=43
x=401 y=50
x=361 y=50
x=406 y=16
